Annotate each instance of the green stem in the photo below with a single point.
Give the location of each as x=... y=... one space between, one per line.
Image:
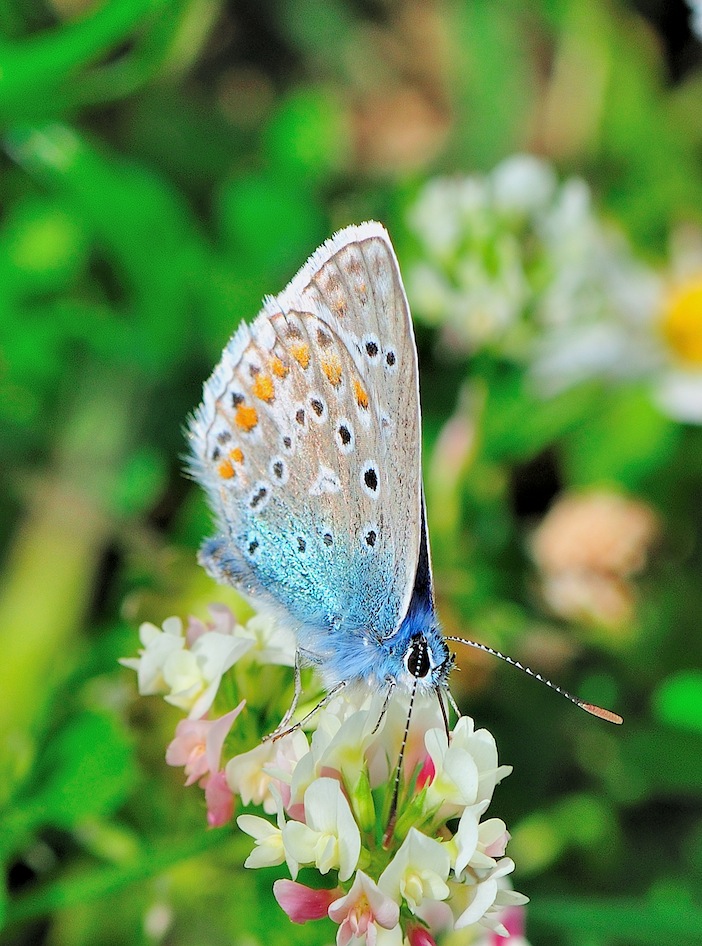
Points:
x=51 y=565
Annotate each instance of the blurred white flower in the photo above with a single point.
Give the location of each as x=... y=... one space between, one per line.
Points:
x=523 y=184
x=507 y=255
x=523 y=266
x=651 y=334
x=696 y=18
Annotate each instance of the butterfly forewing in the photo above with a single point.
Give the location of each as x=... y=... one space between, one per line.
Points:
x=307 y=442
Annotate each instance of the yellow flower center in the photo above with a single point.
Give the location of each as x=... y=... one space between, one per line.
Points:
x=682 y=322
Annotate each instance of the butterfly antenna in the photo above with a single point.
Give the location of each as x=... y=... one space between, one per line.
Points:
x=389 y=831
x=588 y=707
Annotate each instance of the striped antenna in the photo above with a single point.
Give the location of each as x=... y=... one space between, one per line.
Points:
x=588 y=707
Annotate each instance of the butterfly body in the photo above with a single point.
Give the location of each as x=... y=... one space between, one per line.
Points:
x=307 y=443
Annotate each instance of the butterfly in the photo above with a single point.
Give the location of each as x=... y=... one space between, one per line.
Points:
x=308 y=445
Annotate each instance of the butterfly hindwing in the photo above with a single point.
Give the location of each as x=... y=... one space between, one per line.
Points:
x=307 y=442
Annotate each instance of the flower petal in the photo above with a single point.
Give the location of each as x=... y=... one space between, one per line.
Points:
x=303 y=903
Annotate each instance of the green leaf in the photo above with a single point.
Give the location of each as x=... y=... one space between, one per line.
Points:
x=678 y=700
x=308 y=135
x=96 y=883
x=624 y=441
x=88 y=770
x=624 y=920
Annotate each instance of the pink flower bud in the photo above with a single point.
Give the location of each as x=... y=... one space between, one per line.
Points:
x=426 y=773
x=420 y=936
x=303 y=903
x=220 y=801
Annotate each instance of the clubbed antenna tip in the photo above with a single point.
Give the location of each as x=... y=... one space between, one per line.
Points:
x=602 y=713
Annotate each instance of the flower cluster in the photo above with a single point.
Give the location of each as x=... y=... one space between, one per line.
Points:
x=434 y=864
x=199 y=669
x=519 y=264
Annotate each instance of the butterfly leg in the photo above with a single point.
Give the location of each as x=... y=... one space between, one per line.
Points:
x=278 y=734
x=281 y=729
x=392 y=683
x=452 y=701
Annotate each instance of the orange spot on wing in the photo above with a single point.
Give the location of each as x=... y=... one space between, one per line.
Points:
x=332 y=369
x=339 y=306
x=226 y=470
x=237 y=455
x=278 y=367
x=301 y=354
x=360 y=393
x=262 y=387
x=246 y=417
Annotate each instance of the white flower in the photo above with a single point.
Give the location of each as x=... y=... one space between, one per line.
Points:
x=417 y=872
x=273 y=643
x=363 y=912
x=522 y=184
x=329 y=838
x=269 y=850
x=252 y=774
x=188 y=676
x=158 y=645
x=466 y=770
x=193 y=676
x=488 y=896
x=463 y=845
x=679 y=394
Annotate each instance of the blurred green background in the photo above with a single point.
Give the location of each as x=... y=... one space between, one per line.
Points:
x=164 y=164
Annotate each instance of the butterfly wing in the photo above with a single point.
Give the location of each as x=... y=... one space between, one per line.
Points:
x=308 y=445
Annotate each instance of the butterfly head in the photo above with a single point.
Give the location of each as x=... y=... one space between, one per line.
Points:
x=427 y=660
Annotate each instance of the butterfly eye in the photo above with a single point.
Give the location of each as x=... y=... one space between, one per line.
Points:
x=417 y=658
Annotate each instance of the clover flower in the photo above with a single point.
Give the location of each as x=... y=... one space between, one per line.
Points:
x=519 y=264
x=383 y=881
x=192 y=667
x=336 y=819
x=511 y=255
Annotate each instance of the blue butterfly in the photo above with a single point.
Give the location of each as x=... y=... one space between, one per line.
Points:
x=308 y=445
